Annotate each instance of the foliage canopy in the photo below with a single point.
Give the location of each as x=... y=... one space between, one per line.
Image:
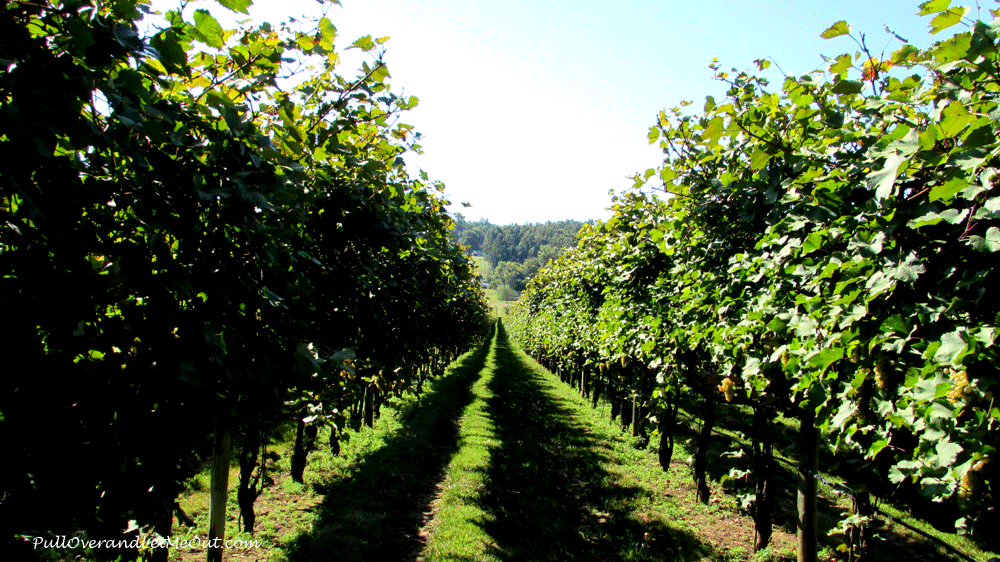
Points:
x=203 y=227
x=828 y=247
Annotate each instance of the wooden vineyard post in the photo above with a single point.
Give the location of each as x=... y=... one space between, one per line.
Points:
x=612 y=394
x=219 y=493
x=808 y=468
x=299 y=453
x=763 y=439
x=246 y=493
x=369 y=409
x=861 y=532
x=701 y=455
x=635 y=413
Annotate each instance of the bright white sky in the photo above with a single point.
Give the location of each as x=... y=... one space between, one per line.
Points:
x=533 y=110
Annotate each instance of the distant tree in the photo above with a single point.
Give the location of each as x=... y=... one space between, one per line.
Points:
x=473 y=238
x=528 y=270
x=508 y=273
x=506 y=293
x=493 y=244
x=529 y=245
x=548 y=252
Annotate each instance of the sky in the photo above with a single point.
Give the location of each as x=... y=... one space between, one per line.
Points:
x=532 y=111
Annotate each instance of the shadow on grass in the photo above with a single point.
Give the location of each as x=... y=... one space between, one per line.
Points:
x=376 y=513
x=547 y=492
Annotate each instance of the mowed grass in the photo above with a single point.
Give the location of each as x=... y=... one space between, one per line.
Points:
x=539 y=476
x=457 y=527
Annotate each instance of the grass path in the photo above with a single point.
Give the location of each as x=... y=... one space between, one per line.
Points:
x=535 y=478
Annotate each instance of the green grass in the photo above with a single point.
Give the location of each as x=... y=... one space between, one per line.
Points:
x=540 y=477
x=457 y=531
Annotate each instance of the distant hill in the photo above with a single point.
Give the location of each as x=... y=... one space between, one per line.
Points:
x=514 y=252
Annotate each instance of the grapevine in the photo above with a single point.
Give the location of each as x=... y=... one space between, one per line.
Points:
x=830 y=243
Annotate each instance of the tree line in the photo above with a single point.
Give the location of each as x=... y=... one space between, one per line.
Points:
x=515 y=252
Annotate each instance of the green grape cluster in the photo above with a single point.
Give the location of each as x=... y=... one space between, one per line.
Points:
x=855 y=354
x=972 y=480
x=728 y=387
x=959 y=386
x=882 y=365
